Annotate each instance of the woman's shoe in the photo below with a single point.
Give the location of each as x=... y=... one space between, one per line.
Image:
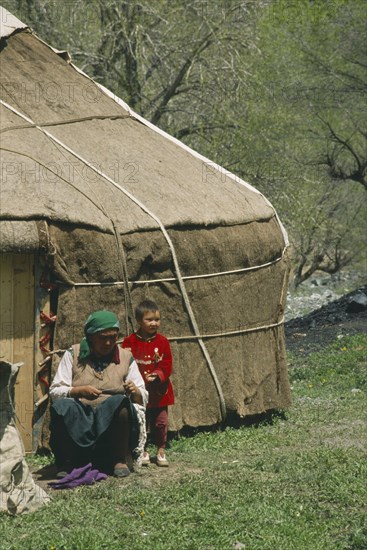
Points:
x=146 y=459
x=121 y=472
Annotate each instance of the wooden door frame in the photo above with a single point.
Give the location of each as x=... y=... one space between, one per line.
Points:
x=18 y=310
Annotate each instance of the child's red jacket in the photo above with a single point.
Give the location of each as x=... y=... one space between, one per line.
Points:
x=153 y=355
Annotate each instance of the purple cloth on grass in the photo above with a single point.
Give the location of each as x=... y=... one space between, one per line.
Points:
x=79 y=476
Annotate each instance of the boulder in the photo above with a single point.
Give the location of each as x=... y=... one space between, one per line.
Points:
x=357 y=302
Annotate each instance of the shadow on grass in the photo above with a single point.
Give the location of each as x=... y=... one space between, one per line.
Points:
x=267 y=418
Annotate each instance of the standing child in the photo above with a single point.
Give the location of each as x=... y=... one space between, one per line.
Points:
x=152 y=353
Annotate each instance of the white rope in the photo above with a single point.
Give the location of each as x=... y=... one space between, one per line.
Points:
x=166 y=235
x=62 y=122
x=228 y=333
x=195 y=336
x=184 y=277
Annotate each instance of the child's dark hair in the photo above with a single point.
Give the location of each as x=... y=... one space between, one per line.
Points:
x=146 y=305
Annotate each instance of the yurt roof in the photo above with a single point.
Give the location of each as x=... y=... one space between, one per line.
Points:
x=73 y=152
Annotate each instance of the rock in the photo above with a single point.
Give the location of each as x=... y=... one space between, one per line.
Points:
x=339 y=317
x=357 y=302
x=312 y=298
x=318 y=281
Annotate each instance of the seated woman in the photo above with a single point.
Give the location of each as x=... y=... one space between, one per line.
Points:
x=93 y=417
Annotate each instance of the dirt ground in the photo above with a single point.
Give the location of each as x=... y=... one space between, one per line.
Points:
x=145 y=477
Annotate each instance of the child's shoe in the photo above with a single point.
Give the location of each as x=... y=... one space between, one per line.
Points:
x=146 y=459
x=161 y=460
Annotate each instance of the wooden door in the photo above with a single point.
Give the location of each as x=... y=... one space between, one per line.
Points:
x=17 y=334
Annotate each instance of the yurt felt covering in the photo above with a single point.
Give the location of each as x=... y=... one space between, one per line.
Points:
x=251 y=365
x=109 y=185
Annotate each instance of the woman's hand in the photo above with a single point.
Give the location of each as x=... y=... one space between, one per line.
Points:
x=133 y=392
x=88 y=392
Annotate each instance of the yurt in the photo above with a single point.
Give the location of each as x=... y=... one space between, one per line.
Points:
x=100 y=209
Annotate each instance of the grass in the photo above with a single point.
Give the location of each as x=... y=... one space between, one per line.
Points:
x=297 y=481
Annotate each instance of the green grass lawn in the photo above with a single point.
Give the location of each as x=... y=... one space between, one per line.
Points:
x=295 y=482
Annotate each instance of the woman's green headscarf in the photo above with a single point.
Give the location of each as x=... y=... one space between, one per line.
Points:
x=97 y=321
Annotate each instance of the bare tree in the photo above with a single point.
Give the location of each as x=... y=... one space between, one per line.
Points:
x=164 y=58
x=346 y=157
x=342 y=110
x=324 y=237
